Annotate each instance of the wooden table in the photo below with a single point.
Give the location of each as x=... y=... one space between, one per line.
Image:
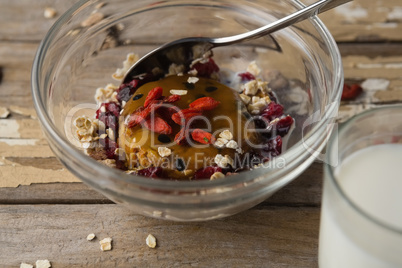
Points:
x=51 y=219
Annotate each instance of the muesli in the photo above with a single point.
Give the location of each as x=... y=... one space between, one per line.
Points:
x=192 y=122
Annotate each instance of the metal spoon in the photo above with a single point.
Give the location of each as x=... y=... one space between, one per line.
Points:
x=178 y=51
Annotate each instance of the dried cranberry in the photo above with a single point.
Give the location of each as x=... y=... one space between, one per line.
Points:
x=110 y=108
x=274 y=146
x=110 y=116
x=126 y=90
x=206 y=69
x=109 y=120
x=151 y=172
x=246 y=76
x=283 y=125
x=120 y=164
x=350 y=92
x=272 y=111
x=123 y=94
x=109 y=146
x=206 y=173
x=260 y=123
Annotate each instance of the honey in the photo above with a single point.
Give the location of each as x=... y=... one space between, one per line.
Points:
x=184 y=160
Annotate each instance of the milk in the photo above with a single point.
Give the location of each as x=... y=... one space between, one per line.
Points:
x=372 y=179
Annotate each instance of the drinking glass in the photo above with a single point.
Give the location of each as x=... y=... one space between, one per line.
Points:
x=361 y=213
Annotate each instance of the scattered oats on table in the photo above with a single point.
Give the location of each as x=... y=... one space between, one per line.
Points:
x=4 y=112
x=49 y=13
x=106 y=244
x=151 y=241
x=91 y=237
x=43 y=264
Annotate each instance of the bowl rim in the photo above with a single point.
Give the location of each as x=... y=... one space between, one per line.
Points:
x=73 y=153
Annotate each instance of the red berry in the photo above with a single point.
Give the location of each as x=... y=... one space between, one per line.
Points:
x=154 y=94
x=273 y=147
x=151 y=172
x=246 y=76
x=351 y=92
x=158 y=125
x=283 y=125
x=172 y=98
x=183 y=116
x=272 y=111
x=109 y=146
x=126 y=90
x=110 y=116
x=181 y=136
x=110 y=108
x=206 y=173
x=202 y=136
x=204 y=104
x=206 y=69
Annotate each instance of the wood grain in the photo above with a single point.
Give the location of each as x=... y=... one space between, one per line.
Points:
x=359 y=21
x=269 y=237
x=51 y=220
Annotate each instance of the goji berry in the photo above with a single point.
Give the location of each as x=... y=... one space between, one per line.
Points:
x=182 y=117
x=181 y=136
x=154 y=94
x=172 y=98
x=204 y=104
x=142 y=113
x=158 y=125
x=351 y=92
x=202 y=136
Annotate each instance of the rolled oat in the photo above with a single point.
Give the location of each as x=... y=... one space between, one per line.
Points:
x=151 y=241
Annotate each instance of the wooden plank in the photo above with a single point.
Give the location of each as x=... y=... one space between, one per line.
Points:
x=359 y=21
x=364 y=21
x=272 y=237
x=52 y=193
x=15 y=63
x=15 y=15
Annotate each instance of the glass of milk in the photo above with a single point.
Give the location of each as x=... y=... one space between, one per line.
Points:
x=361 y=213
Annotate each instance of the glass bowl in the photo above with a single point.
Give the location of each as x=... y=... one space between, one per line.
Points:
x=79 y=55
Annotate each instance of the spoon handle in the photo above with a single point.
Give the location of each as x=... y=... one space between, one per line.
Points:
x=302 y=14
